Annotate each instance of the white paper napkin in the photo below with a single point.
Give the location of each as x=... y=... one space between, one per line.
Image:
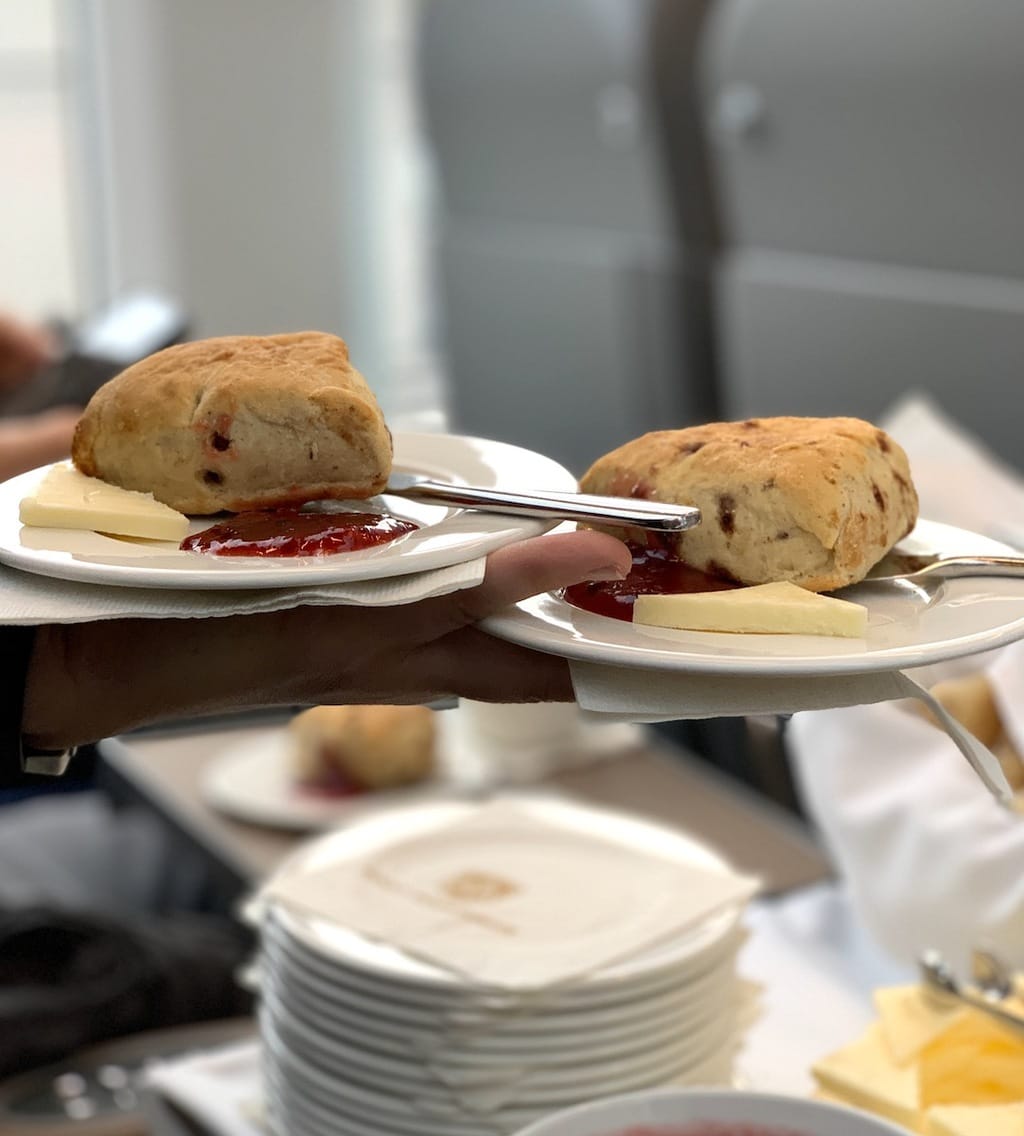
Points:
x=629 y=694
x=219 y=1088
x=511 y=900
x=28 y=599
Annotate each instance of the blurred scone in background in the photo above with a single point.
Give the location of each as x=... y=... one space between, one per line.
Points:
x=362 y=747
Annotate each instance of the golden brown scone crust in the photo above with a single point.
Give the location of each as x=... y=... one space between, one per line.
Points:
x=375 y=747
x=239 y=422
x=816 y=501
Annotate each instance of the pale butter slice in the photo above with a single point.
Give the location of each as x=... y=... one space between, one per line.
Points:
x=975 y=1061
x=67 y=499
x=910 y=1020
x=975 y=1120
x=768 y=609
x=864 y=1076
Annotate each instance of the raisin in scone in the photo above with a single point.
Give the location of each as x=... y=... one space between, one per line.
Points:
x=236 y=423
x=371 y=747
x=816 y=501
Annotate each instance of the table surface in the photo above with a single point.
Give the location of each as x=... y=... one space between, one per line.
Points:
x=164 y=773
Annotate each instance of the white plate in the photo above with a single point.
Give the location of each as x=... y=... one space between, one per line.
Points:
x=487 y=1041
x=251 y=781
x=540 y=1079
x=908 y=625
x=447 y=535
x=299 y=1087
x=394 y=825
x=368 y=1024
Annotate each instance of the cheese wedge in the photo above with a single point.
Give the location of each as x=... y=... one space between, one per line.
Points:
x=910 y=1020
x=67 y=499
x=864 y=1076
x=773 y=609
x=975 y=1120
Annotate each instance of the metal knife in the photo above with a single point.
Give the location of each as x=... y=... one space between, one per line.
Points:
x=539 y=503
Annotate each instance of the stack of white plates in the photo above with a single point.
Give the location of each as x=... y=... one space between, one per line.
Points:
x=360 y=1039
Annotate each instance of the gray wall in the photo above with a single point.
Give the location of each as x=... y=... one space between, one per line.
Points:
x=869 y=164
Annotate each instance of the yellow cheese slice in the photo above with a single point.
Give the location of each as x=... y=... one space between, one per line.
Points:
x=863 y=1075
x=975 y=1120
x=67 y=499
x=910 y=1020
x=975 y=1061
x=775 y=609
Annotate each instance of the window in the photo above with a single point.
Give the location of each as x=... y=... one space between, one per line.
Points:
x=37 y=254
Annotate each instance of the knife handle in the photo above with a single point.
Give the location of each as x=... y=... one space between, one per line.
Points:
x=564 y=506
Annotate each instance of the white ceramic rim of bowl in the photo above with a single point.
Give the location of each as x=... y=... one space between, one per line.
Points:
x=352 y=950
x=612 y=1115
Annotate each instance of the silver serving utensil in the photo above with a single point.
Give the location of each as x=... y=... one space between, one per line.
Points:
x=945 y=567
x=940 y=983
x=991 y=975
x=538 y=503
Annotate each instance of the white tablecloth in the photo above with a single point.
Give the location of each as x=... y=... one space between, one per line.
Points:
x=817 y=969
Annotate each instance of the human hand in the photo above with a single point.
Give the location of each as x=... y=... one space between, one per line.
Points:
x=36 y=439
x=91 y=680
x=24 y=351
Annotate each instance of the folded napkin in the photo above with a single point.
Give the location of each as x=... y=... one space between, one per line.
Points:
x=928 y=858
x=28 y=599
x=487 y=897
x=607 y=693
x=218 y=1088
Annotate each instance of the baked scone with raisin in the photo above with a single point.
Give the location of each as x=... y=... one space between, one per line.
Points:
x=369 y=747
x=237 y=423
x=815 y=501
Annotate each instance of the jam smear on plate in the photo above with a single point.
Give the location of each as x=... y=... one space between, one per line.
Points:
x=329 y=783
x=294 y=532
x=654 y=572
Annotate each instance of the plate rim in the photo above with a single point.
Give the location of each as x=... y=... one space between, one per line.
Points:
x=504 y=529
x=527 y=624
x=267 y=751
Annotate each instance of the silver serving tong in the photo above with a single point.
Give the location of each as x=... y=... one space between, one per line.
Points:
x=539 y=503
x=991 y=975
x=941 y=984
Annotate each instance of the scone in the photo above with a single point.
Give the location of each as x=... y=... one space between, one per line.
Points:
x=238 y=423
x=816 y=501
x=369 y=747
